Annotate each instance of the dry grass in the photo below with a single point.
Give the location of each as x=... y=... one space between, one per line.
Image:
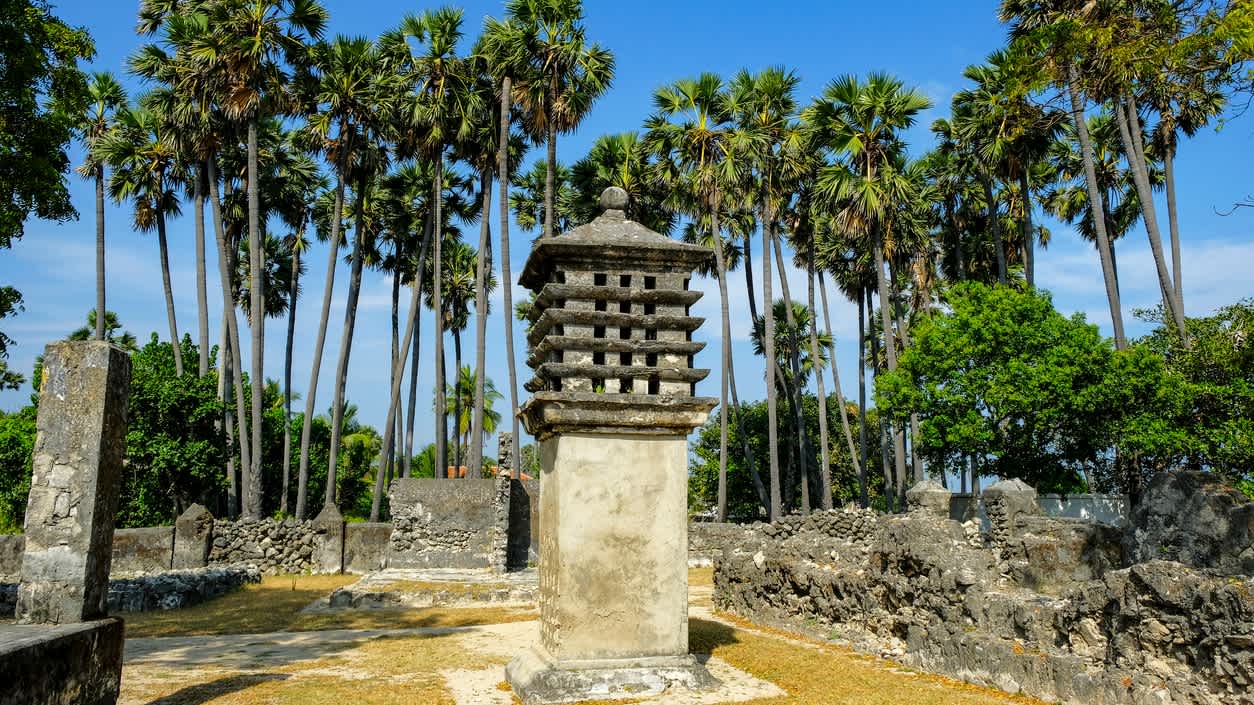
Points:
x=275 y=605
x=817 y=673
x=700 y=577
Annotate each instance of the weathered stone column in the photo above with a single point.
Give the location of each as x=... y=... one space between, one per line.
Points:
x=79 y=444
x=328 y=556
x=612 y=408
x=193 y=538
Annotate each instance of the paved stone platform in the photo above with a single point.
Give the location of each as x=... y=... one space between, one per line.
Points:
x=434 y=587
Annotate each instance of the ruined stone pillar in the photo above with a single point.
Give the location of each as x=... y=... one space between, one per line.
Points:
x=328 y=556
x=612 y=408
x=1004 y=503
x=193 y=538
x=79 y=444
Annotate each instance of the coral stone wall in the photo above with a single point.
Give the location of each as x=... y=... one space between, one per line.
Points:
x=1039 y=605
x=274 y=546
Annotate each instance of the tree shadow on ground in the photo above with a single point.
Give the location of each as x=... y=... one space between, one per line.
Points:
x=705 y=635
x=204 y=692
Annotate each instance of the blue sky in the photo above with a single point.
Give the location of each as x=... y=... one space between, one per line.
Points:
x=926 y=44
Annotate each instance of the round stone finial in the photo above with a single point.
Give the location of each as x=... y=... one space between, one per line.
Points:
x=614 y=199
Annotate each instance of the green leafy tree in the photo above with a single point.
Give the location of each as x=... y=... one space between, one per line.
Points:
x=175 y=448
x=1006 y=379
x=17 y=440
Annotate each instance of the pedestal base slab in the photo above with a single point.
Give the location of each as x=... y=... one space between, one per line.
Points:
x=538 y=680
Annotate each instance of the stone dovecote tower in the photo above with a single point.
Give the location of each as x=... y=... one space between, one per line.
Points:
x=613 y=401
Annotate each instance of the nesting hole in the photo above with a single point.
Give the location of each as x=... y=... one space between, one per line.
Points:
x=598 y=331
x=599 y=278
x=600 y=305
x=650 y=333
x=653 y=385
x=624 y=333
x=624 y=359
x=650 y=282
x=624 y=386
x=649 y=309
x=624 y=280
x=598 y=358
x=598 y=385
x=650 y=360
x=624 y=307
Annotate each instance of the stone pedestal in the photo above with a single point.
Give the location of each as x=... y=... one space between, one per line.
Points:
x=73 y=505
x=612 y=406
x=929 y=497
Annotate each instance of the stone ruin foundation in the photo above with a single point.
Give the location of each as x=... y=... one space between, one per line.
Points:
x=1057 y=609
x=613 y=403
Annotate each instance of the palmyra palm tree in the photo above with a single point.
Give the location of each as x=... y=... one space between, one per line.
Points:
x=105 y=97
x=349 y=90
x=462 y=396
x=147 y=172
x=860 y=123
x=569 y=74
x=693 y=137
x=253 y=43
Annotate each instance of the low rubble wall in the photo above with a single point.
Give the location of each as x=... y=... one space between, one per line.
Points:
x=1056 y=609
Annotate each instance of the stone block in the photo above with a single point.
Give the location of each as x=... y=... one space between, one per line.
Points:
x=11 y=547
x=144 y=550
x=524 y=524
x=1004 y=502
x=930 y=497
x=440 y=523
x=365 y=546
x=328 y=551
x=193 y=538
x=79 y=442
x=67 y=664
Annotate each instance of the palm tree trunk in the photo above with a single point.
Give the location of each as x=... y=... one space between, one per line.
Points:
x=484 y=260
x=743 y=434
x=292 y=287
x=437 y=305
x=388 y=456
x=416 y=316
x=798 y=384
x=398 y=371
x=257 y=319
x=994 y=223
x=753 y=297
x=960 y=261
x=230 y=355
x=724 y=359
x=1029 y=237
x=311 y=392
x=507 y=281
x=100 y=254
x=202 y=284
x=550 y=174
x=457 y=402
x=225 y=392
x=825 y=461
x=1130 y=133
x=1095 y=202
x=864 y=458
x=346 y=343
x=772 y=412
x=836 y=388
x=1173 y=223
x=163 y=247
x=890 y=497
x=904 y=330
x=890 y=354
